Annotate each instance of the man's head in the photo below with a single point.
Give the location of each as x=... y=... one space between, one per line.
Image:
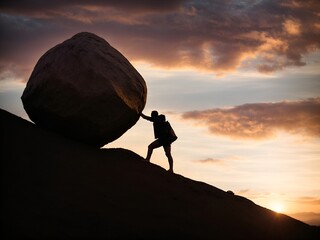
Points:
x=154 y=113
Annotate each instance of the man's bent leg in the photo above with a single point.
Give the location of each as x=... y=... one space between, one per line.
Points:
x=153 y=145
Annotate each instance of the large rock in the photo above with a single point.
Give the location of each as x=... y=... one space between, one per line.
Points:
x=85 y=89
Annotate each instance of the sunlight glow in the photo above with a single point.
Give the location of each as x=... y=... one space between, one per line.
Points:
x=277 y=207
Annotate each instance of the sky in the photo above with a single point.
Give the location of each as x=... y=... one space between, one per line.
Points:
x=238 y=80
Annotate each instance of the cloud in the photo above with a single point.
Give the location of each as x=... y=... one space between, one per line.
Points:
x=43 y=5
x=218 y=36
x=308 y=200
x=261 y=120
x=244 y=191
x=292 y=26
x=208 y=160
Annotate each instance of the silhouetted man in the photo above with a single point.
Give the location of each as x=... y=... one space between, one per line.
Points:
x=162 y=136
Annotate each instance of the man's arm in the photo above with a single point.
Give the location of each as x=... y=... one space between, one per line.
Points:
x=146 y=117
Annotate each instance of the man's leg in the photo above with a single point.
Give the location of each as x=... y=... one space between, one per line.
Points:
x=167 y=150
x=153 y=145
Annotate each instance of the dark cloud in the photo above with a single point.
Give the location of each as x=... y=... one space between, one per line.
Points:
x=218 y=36
x=261 y=120
x=42 y=5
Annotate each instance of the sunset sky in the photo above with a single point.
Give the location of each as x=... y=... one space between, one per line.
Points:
x=238 y=80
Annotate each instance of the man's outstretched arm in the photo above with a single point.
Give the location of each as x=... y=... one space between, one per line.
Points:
x=146 y=117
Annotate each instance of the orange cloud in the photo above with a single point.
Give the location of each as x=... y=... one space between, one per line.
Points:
x=261 y=120
x=308 y=200
x=292 y=26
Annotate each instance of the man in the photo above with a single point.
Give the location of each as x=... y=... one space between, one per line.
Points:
x=161 y=136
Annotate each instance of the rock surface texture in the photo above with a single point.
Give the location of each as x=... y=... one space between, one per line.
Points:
x=85 y=89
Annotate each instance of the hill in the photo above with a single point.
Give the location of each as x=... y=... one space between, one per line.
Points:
x=53 y=187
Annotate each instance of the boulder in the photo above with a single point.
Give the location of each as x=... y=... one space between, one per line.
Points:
x=85 y=89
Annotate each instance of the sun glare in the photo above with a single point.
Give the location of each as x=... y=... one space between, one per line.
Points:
x=277 y=207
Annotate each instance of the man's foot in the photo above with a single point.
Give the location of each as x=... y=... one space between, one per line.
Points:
x=170 y=170
x=146 y=160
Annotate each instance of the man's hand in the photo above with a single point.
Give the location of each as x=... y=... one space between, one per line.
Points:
x=143 y=116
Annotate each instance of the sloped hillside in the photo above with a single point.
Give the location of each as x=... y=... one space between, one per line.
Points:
x=55 y=187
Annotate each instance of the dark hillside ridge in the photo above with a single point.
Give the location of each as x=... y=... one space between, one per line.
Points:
x=53 y=187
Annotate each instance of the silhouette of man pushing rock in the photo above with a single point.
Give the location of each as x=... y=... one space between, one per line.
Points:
x=164 y=135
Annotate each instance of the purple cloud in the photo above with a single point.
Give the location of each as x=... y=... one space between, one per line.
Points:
x=218 y=36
